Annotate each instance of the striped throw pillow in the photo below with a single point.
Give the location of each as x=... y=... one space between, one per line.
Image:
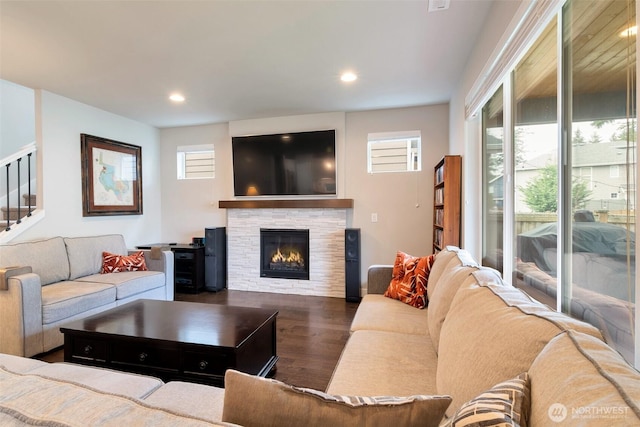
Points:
x=505 y=404
x=250 y=400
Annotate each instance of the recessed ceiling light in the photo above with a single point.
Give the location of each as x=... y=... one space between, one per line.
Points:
x=176 y=97
x=348 y=77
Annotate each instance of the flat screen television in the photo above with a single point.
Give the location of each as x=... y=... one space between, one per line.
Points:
x=287 y=164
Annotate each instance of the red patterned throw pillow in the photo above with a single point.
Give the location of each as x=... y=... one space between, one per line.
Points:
x=113 y=263
x=409 y=281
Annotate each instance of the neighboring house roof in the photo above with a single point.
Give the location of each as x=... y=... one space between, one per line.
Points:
x=597 y=154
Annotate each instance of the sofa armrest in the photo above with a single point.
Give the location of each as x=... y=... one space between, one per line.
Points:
x=378 y=278
x=7 y=272
x=21 y=316
x=158 y=259
x=155 y=258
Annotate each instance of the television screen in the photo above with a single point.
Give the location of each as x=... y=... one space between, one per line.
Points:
x=288 y=164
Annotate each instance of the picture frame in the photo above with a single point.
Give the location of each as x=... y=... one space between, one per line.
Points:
x=111 y=177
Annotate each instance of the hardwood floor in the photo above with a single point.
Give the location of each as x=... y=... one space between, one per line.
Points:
x=312 y=332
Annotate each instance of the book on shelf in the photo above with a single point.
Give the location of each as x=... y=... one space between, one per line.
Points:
x=439 y=175
x=439 y=217
x=437 y=237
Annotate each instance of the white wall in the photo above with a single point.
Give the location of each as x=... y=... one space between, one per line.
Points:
x=189 y=206
x=402 y=201
x=60 y=121
x=17 y=117
x=465 y=136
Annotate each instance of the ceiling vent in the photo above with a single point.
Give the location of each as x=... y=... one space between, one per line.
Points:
x=436 y=5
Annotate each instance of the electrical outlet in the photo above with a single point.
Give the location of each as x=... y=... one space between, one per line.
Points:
x=374 y=217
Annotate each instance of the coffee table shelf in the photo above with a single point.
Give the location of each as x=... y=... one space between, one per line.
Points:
x=176 y=340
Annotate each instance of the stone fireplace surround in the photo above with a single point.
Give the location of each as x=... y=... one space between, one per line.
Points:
x=326 y=246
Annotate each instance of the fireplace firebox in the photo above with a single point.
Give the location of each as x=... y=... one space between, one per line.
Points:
x=284 y=253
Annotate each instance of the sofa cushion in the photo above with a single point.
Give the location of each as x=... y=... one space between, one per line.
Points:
x=128 y=283
x=65 y=299
x=505 y=404
x=450 y=257
x=114 y=263
x=455 y=279
x=491 y=334
x=456 y=276
x=85 y=253
x=34 y=400
x=283 y=405
x=397 y=317
x=180 y=397
x=105 y=380
x=440 y=263
x=47 y=258
x=409 y=281
x=20 y=364
x=409 y=363
x=592 y=385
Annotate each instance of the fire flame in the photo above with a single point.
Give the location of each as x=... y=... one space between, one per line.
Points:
x=292 y=257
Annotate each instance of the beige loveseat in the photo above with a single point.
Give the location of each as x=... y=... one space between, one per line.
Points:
x=59 y=280
x=477 y=332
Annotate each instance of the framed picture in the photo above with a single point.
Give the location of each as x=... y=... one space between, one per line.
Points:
x=111 y=177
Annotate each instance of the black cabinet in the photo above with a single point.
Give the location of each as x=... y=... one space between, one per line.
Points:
x=188 y=268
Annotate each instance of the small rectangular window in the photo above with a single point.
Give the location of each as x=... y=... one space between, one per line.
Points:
x=394 y=152
x=614 y=171
x=196 y=162
x=614 y=195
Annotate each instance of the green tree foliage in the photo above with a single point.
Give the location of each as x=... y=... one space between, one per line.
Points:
x=578 y=139
x=626 y=132
x=541 y=193
x=595 y=138
x=496 y=158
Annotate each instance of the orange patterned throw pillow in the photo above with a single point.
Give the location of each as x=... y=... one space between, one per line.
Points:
x=409 y=281
x=113 y=263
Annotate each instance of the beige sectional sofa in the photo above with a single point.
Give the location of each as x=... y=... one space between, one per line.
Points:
x=477 y=332
x=59 y=280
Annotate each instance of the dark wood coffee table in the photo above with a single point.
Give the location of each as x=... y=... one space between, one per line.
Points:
x=176 y=340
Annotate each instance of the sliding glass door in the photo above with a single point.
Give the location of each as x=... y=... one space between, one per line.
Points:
x=535 y=160
x=492 y=179
x=572 y=155
x=599 y=197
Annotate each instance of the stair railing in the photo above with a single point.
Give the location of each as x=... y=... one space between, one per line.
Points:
x=16 y=159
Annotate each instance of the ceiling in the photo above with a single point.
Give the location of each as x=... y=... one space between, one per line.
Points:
x=593 y=35
x=238 y=59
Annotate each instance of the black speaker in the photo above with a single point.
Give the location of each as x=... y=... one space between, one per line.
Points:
x=215 y=259
x=352 y=263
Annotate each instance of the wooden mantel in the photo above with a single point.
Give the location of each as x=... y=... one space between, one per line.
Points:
x=286 y=204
